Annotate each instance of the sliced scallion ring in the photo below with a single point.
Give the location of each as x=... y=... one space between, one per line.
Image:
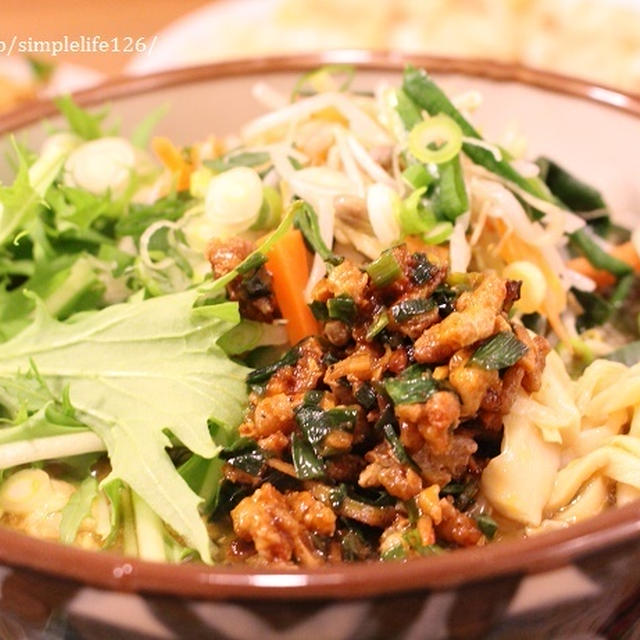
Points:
x=437 y=140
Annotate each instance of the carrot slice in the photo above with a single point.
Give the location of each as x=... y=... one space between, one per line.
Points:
x=287 y=263
x=624 y=252
x=171 y=158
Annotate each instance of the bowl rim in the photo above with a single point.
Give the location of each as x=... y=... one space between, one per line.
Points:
x=543 y=552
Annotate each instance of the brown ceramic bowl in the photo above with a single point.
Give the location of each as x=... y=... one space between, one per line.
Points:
x=552 y=585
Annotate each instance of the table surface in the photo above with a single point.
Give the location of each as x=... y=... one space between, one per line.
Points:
x=104 y=18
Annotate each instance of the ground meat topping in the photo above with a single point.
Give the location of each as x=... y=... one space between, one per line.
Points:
x=381 y=419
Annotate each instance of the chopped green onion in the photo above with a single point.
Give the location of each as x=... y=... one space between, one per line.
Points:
x=396 y=446
x=412 y=386
x=597 y=256
x=319 y=310
x=407 y=309
x=253 y=262
x=487 y=525
x=415 y=218
x=270 y=211
x=500 y=351
x=425 y=94
x=407 y=110
x=452 y=489
x=450 y=198
x=366 y=396
x=305 y=461
x=439 y=234
x=418 y=176
x=436 y=140
x=313 y=398
x=307 y=221
x=380 y=321
x=343 y=308
x=384 y=270
x=423 y=269
x=596 y=310
x=575 y=194
x=251 y=459
x=259 y=376
x=316 y=423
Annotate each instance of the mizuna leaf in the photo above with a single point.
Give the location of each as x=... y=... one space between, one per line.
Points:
x=134 y=371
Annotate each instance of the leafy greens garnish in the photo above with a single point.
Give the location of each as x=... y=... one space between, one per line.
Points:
x=134 y=371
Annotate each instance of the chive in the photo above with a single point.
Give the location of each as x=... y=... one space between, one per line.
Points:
x=319 y=311
x=384 y=270
x=305 y=461
x=575 y=194
x=414 y=385
x=366 y=396
x=415 y=218
x=452 y=489
x=343 y=308
x=629 y=354
x=354 y=546
x=425 y=94
x=306 y=220
x=407 y=309
x=622 y=290
x=259 y=376
x=423 y=270
x=487 y=525
x=396 y=446
x=596 y=310
x=412 y=510
x=500 y=351
x=597 y=256
x=407 y=110
x=337 y=496
x=395 y=553
x=313 y=398
x=450 y=198
x=315 y=423
x=417 y=176
x=251 y=459
x=380 y=321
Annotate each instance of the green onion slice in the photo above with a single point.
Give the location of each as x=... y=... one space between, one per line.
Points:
x=437 y=140
x=501 y=351
x=384 y=270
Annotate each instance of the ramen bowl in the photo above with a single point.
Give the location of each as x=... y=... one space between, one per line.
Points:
x=559 y=584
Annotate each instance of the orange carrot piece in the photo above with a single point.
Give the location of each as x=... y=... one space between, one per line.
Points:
x=171 y=158
x=624 y=252
x=287 y=263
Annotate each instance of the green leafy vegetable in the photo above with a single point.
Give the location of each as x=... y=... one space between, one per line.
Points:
x=500 y=351
x=134 y=370
x=343 y=308
x=81 y=122
x=305 y=461
x=450 y=198
x=487 y=525
x=425 y=94
x=306 y=220
x=598 y=257
x=77 y=509
x=575 y=194
x=142 y=133
x=407 y=309
x=384 y=270
x=238 y=159
x=413 y=385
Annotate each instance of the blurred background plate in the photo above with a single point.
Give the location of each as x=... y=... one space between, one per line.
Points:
x=594 y=39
